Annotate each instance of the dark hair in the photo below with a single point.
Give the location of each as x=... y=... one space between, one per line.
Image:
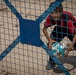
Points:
x=60 y=7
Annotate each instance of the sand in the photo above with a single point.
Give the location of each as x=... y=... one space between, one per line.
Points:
x=26 y=59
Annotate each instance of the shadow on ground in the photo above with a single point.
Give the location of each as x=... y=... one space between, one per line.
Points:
x=70 y=60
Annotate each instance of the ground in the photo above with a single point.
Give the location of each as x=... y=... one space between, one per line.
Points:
x=26 y=59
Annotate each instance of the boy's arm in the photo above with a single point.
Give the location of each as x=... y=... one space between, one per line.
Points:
x=72 y=30
x=73 y=42
x=74 y=39
x=46 y=34
x=47 y=24
x=48 y=37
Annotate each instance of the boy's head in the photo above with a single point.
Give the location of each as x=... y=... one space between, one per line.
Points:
x=56 y=14
x=59 y=8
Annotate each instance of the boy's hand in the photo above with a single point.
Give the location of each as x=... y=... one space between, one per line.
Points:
x=49 y=45
x=69 y=48
x=67 y=52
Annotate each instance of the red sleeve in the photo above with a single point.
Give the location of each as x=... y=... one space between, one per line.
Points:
x=49 y=22
x=71 y=27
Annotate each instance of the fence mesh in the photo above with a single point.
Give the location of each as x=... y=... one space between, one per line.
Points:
x=24 y=59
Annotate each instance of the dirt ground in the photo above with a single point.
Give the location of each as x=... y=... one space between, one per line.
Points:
x=26 y=59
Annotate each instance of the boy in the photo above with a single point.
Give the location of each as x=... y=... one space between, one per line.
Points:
x=65 y=26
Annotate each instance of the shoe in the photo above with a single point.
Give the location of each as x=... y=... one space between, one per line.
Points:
x=50 y=65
